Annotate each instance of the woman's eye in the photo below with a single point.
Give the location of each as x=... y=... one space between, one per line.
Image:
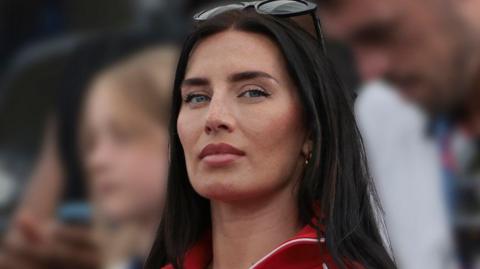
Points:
x=196 y=98
x=252 y=93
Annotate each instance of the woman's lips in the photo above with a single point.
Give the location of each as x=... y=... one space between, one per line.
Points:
x=220 y=154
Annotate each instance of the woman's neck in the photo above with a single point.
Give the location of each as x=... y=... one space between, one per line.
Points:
x=244 y=233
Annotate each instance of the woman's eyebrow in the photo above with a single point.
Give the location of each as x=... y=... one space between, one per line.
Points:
x=236 y=77
x=195 y=82
x=248 y=75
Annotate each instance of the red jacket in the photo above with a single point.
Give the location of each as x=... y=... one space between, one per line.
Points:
x=303 y=251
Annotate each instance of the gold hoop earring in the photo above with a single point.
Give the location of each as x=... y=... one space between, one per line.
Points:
x=307 y=159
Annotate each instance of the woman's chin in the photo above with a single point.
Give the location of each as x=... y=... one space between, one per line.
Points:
x=228 y=192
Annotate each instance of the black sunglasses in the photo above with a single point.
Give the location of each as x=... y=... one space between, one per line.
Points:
x=277 y=8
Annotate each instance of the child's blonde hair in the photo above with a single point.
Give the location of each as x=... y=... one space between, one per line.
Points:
x=146 y=78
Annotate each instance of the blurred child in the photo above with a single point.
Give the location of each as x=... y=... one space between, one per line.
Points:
x=123 y=147
x=123 y=144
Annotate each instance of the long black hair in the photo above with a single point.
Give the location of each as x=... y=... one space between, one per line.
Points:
x=336 y=178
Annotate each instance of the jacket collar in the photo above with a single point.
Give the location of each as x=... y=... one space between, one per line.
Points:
x=303 y=251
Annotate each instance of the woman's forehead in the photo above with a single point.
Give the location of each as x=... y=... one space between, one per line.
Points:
x=235 y=51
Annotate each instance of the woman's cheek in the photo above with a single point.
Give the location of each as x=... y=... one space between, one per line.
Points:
x=189 y=127
x=183 y=126
x=273 y=126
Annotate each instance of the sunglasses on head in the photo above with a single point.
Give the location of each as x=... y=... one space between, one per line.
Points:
x=294 y=9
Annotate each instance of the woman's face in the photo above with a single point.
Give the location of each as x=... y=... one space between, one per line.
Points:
x=240 y=122
x=125 y=153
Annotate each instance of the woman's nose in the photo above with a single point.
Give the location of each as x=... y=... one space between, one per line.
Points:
x=219 y=117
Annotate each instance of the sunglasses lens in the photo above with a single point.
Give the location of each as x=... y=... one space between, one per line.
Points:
x=284 y=7
x=210 y=13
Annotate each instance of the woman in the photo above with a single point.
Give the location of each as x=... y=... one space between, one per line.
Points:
x=267 y=166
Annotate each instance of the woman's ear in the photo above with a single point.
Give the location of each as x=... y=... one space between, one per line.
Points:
x=307 y=145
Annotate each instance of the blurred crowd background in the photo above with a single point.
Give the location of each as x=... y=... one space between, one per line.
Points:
x=84 y=98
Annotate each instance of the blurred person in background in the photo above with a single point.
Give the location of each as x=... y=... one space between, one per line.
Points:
x=124 y=148
x=28 y=25
x=58 y=178
x=430 y=52
x=31 y=82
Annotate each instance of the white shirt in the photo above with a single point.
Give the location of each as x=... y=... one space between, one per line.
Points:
x=404 y=163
